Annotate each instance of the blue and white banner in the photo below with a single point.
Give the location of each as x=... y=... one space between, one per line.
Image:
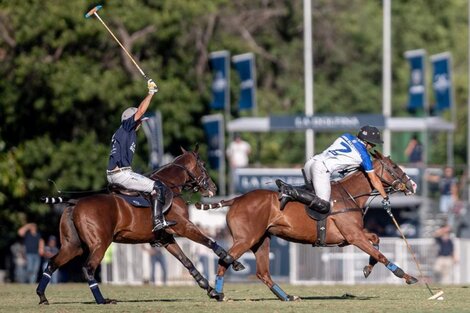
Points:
x=220 y=65
x=442 y=80
x=417 y=85
x=214 y=131
x=153 y=131
x=245 y=66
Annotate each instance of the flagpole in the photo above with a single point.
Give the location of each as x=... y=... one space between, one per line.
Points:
x=308 y=73
x=387 y=75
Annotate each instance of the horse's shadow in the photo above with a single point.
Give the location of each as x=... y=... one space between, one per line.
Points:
x=345 y=296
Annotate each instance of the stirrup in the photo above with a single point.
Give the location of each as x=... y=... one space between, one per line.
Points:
x=159 y=225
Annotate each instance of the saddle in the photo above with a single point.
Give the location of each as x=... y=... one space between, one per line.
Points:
x=133 y=197
x=314 y=206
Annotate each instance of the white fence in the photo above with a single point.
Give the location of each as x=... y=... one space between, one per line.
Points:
x=306 y=264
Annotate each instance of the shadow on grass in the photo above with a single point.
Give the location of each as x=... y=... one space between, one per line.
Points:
x=345 y=296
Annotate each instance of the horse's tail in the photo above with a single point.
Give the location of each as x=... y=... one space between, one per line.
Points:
x=57 y=200
x=213 y=206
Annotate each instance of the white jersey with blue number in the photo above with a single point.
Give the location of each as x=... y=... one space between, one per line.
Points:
x=346 y=152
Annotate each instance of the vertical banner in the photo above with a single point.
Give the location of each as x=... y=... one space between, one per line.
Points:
x=245 y=66
x=215 y=136
x=417 y=85
x=442 y=80
x=220 y=65
x=153 y=131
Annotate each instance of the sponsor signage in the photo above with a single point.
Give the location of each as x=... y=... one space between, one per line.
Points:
x=247 y=179
x=326 y=122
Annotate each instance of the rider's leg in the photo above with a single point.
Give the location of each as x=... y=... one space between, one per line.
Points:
x=158 y=202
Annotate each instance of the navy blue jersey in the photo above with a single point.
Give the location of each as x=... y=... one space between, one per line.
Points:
x=123 y=144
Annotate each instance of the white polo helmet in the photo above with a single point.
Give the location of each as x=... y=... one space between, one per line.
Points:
x=128 y=113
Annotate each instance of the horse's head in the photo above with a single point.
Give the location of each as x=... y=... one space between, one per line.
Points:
x=199 y=179
x=392 y=176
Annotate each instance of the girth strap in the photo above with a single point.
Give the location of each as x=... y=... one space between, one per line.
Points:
x=321 y=234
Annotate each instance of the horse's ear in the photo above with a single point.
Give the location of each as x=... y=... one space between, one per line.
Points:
x=196 y=149
x=182 y=149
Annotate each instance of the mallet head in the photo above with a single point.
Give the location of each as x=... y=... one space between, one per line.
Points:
x=93 y=11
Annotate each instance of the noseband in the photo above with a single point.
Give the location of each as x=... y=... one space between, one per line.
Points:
x=195 y=183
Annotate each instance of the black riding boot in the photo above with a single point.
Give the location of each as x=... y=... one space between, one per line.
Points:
x=291 y=193
x=159 y=222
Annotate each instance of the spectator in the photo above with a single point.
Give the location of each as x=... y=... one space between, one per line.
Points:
x=33 y=244
x=445 y=256
x=18 y=252
x=238 y=152
x=47 y=252
x=414 y=150
x=156 y=256
x=448 y=192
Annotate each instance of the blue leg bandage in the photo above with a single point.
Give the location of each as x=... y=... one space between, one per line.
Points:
x=45 y=279
x=279 y=292
x=392 y=266
x=219 y=284
x=96 y=291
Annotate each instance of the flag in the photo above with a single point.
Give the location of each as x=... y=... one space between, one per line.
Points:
x=153 y=131
x=214 y=131
x=442 y=80
x=219 y=62
x=245 y=66
x=417 y=85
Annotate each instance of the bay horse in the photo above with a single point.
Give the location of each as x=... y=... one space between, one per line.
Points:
x=93 y=222
x=255 y=216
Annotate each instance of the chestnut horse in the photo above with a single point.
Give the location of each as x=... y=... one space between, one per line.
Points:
x=256 y=215
x=93 y=222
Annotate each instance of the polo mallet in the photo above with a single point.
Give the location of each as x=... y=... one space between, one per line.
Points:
x=94 y=12
x=433 y=296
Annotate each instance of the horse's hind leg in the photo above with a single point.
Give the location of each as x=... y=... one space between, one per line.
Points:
x=172 y=246
x=94 y=259
x=71 y=247
x=261 y=251
x=375 y=240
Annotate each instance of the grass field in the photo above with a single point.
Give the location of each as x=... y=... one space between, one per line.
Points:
x=243 y=298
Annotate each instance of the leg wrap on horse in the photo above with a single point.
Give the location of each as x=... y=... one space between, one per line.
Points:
x=373 y=261
x=395 y=270
x=45 y=279
x=95 y=290
x=228 y=259
x=202 y=282
x=219 y=284
x=279 y=292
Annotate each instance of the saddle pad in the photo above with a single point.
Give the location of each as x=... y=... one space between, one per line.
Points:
x=136 y=201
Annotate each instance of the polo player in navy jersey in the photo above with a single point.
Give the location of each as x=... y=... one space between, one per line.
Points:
x=123 y=145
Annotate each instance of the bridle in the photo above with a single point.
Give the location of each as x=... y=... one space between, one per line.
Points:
x=195 y=183
x=398 y=183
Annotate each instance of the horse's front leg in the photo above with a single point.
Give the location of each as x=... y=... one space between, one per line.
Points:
x=355 y=236
x=375 y=240
x=186 y=228
x=172 y=246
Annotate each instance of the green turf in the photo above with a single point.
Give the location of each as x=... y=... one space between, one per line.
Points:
x=254 y=298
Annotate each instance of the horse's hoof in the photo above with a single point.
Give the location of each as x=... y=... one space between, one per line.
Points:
x=110 y=301
x=367 y=270
x=411 y=280
x=293 y=298
x=237 y=266
x=44 y=302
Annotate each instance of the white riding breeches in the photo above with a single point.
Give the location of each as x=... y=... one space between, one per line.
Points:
x=131 y=180
x=316 y=171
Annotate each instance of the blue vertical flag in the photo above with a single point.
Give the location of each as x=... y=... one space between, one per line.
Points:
x=214 y=131
x=442 y=80
x=245 y=66
x=153 y=131
x=417 y=85
x=220 y=64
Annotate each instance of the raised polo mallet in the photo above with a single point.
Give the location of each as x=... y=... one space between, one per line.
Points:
x=94 y=12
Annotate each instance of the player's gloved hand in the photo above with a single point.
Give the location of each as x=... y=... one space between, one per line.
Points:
x=152 y=87
x=386 y=204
